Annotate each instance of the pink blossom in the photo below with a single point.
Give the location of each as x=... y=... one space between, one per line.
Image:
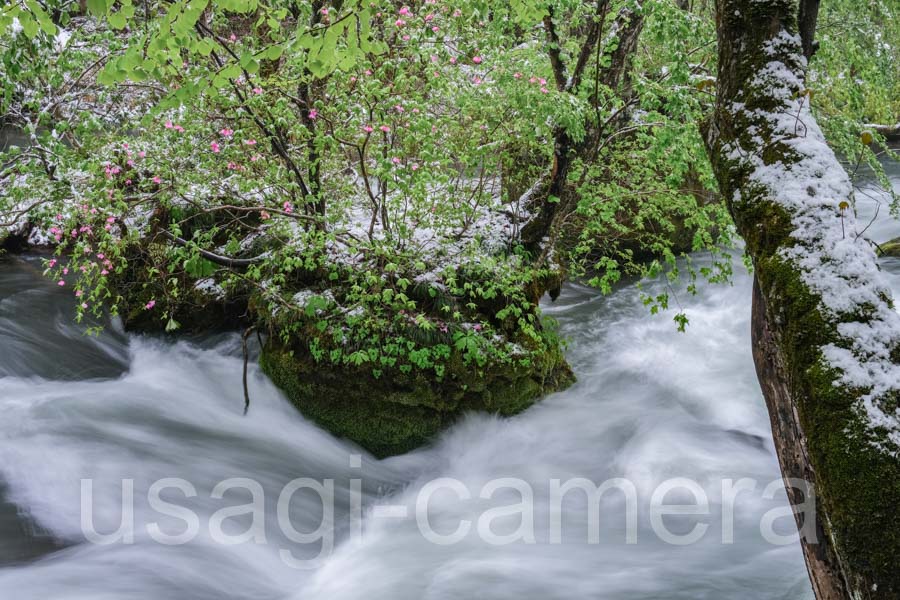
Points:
x=476 y=60
x=142 y=154
x=110 y=219
x=179 y=129
x=255 y=157
x=150 y=305
x=434 y=58
x=368 y=128
x=414 y=167
x=395 y=160
x=101 y=256
x=226 y=133
x=66 y=271
x=435 y=29
x=544 y=90
x=250 y=142
x=368 y=71
x=264 y=215
x=104 y=272
x=404 y=11
x=543 y=81
x=457 y=13
x=399 y=22
x=214 y=147
x=78 y=293
x=452 y=60
x=288 y=207
x=405 y=38
x=157 y=180
x=232 y=38
x=517 y=75
x=52 y=263
x=385 y=128
x=61 y=282
x=257 y=90
x=168 y=124
x=84 y=305
x=532 y=80
x=324 y=11
x=398 y=108
x=429 y=17
x=313 y=114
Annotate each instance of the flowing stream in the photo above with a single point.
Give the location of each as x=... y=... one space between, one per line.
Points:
x=651 y=404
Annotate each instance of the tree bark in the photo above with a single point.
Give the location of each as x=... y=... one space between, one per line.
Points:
x=832 y=391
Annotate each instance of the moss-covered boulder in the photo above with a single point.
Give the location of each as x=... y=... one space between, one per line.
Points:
x=891 y=248
x=397 y=412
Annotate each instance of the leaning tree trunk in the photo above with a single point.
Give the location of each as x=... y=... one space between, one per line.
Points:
x=826 y=338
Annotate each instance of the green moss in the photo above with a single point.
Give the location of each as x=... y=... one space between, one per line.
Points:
x=398 y=412
x=891 y=248
x=857 y=483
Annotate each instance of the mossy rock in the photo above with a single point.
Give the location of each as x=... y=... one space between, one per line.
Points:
x=891 y=248
x=398 y=412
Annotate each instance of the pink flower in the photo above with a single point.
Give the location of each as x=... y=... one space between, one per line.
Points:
x=250 y=142
x=84 y=305
x=405 y=38
x=543 y=81
x=101 y=256
x=544 y=90
x=324 y=11
x=150 y=305
x=398 y=108
x=429 y=17
x=368 y=71
x=517 y=75
x=142 y=154
x=110 y=219
x=257 y=90
x=66 y=271
x=227 y=133
x=232 y=38
x=179 y=129
x=452 y=60
x=477 y=327
x=476 y=60
x=399 y=22
x=404 y=11
x=168 y=124
x=457 y=13
x=214 y=147
x=264 y=215
x=313 y=114
x=61 y=283
x=385 y=128
x=434 y=58
x=255 y=157
x=476 y=80
x=395 y=160
x=532 y=80
x=104 y=272
x=435 y=29
x=78 y=293
x=368 y=128
x=288 y=207
x=157 y=180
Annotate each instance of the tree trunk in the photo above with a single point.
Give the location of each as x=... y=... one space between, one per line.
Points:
x=826 y=338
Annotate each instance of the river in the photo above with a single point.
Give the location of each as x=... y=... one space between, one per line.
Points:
x=651 y=404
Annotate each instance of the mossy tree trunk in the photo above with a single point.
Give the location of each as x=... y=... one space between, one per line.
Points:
x=791 y=201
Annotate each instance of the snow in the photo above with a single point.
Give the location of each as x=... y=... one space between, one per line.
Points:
x=835 y=262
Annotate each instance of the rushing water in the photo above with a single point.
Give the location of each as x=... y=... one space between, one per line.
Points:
x=651 y=404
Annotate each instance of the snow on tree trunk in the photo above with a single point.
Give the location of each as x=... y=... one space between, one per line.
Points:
x=826 y=336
